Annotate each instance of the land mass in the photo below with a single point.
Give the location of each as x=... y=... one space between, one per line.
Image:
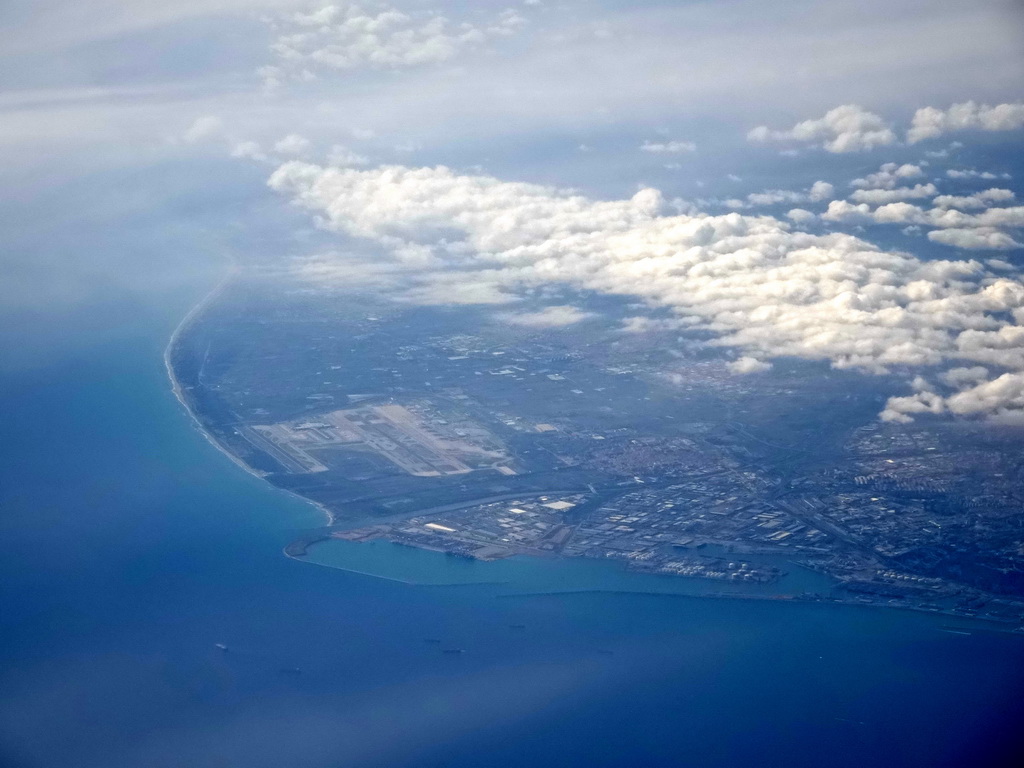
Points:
x=448 y=430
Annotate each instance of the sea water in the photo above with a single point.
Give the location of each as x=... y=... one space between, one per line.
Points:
x=131 y=547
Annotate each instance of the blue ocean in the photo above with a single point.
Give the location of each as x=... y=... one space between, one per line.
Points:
x=132 y=547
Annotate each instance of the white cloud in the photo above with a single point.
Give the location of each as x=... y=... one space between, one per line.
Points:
x=549 y=317
x=882 y=196
x=848 y=128
x=953 y=227
x=1012 y=217
x=842 y=211
x=1001 y=265
x=969 y=173
x=930 y=122
x=293 y=144
x=1000 y=399
x=900 y=213
x=977 y=200
x=345 y=37
x=888 y=176
x=800 y=216
x=902 y=409
x=206 y=128
x=250 y=150
x=958 y=377
x=750 y=282
x=975 y=239
x=341 y=156
x=745 y=365
x=668 y=147
x=819 y=191
x=446 y=290
x=774 y=197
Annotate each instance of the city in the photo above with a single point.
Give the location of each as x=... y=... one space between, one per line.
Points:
x=490 y=442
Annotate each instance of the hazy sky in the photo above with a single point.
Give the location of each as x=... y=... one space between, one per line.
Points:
x=492 y=79
x=835 y=181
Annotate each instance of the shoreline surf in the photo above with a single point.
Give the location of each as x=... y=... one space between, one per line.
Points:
x=179 y=393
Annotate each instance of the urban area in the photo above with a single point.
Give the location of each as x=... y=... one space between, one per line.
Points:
x=488 y=440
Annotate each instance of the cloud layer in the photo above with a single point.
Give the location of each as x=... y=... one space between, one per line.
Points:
x=668 y=147
x=954 y=227
x=851 y=128
x=750 y=281
x=549 y=317
x=930 y=122
x=345 y=37
x=847 y=128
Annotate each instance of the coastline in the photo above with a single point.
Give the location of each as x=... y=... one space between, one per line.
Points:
x=179 y=393
x=298 y=549
x=970 y=623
